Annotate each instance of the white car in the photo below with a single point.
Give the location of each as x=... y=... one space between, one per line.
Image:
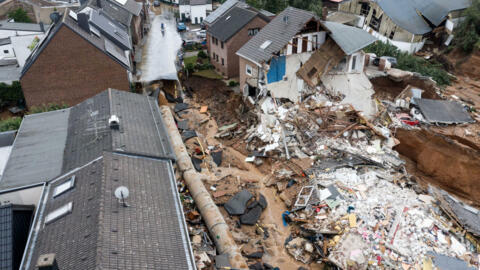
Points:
x=202 y=33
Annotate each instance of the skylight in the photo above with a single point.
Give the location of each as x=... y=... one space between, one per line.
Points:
x=265 y=44
x=72 y=14
x=122 y=2
x=59 y=212
x=228 y=18
x=64 y=187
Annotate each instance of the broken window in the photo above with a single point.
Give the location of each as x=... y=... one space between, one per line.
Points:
x=341 y=66
x=67 y=185
x=375 y=22
x=249 y=70
x=365 y=9
x=312 y=72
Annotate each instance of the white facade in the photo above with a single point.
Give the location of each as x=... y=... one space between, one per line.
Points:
x=195 y=13
x=409 y=47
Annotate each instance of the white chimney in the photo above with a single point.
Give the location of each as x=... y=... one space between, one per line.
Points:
x=114 y=122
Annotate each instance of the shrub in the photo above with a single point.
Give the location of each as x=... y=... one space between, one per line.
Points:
x=11 y=93
x=19 y=15
x=202 y=54
x=10 y=124
x=412 y=63
x=467 y=34
x=190 y=67
x=47 y=108
x=232 y=83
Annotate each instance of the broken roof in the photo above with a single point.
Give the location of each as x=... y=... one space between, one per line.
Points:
x=406 y=14
x=98 y=232
x=222 y=9
x=52 y=143
x=231 y=22
x=349 y=38
x=71 y=23
x=443 y=111
x=277 y=33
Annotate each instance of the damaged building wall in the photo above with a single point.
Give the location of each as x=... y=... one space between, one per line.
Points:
x=382 y=26
x=291 y=86
x=248 y=72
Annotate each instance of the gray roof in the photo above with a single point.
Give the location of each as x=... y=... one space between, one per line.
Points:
x=194 y=2
x=267 y=13
x=52 y=143
x=30 y=27
x=443 y=111
x=131 y=6
x=100 y=233
x=37 y=153
x=222 y=9
x=89 y=135
x=7 y=138
x=9 y=74
x=115 y=32
x=121 y=15
x=278 y=32
x=404 y=13
x=230 y=23
x=5 y=41
x=349 y=38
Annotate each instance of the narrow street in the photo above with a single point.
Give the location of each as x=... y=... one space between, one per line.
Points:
x=160 y=50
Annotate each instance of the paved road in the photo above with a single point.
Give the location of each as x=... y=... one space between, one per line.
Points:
x=158 y=60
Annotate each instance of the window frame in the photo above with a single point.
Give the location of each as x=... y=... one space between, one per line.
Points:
x=248 y=70
x=64 y=187
x=59 y=213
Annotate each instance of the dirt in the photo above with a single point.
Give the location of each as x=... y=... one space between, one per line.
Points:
x=386 y=88
x=235 y=174
x=442 y=161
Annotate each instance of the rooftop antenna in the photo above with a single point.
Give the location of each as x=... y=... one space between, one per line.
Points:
x=121 y=193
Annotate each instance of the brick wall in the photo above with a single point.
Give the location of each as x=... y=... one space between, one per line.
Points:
x=230 y=69
x=70 y=70
x=242 y=72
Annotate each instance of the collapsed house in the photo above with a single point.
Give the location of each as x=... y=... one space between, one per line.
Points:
x=65 y=170
x=296 y=51
x=405 y=24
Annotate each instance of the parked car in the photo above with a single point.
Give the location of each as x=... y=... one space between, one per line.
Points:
x=390 y=59
x=156 y=3
x=181 y=27
x=202 y=34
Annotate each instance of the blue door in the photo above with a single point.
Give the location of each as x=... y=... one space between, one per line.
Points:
x=277 y=69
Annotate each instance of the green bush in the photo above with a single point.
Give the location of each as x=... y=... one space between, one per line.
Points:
x=202 y=54
x=190 y=67
x=411 y=63
x=232 y=83
x=203 y=66
x=467 y=34
x=10 y=124
x=11 y=93
x=19 y=15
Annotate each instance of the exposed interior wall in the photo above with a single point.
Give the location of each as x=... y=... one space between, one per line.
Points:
x=28 y=196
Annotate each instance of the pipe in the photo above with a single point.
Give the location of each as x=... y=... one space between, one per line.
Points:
x=214 y=220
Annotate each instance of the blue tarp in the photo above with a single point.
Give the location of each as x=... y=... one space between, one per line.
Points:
x=277 y=69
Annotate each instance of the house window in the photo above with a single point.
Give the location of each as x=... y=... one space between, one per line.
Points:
x=365 y=9
x=253 y=31
x=216 y=57
x=5 y=51
x=222 y=44
x=216 y=41
x=375 y=22
x=59 y=212
x=354 y=62
x=213 y=40
x=249 y=70
x=213 y=56
x=223 y=62
x=67 y=185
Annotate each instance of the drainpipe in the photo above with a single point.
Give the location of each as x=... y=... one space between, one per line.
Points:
x=216 y=225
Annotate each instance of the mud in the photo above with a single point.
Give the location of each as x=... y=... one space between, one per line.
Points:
x=386 y=88
x=443 y=162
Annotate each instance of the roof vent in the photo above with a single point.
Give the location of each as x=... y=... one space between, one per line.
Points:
x=47 y=262
x=114 y=122
x=285 y=19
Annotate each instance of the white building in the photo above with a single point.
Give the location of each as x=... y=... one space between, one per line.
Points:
x=195 y=10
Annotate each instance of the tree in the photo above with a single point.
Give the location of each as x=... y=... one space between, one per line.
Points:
x=19 y=15
x=467 y=34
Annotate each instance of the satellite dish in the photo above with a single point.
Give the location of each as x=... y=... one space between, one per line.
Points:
x=121 y=192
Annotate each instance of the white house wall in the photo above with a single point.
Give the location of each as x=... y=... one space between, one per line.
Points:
x=199 y=12
x=292 y=86
x=410 y=47
x=184 y=9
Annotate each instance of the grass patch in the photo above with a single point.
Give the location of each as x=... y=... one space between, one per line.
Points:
x=208 y=73
x=10 y=124
x=190 y=60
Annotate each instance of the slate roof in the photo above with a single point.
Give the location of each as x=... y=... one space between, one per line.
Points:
x=16 y=26
x=404 y=13
x=100 y=233
x=222 y=9
x=194 y=2
x=278 y=32
x=230 y=23
x=349 y=38
x=115 y=32
x=67 y=21
x=37 y=152
x=131 y=6
x=52 y=143
x=121 y=15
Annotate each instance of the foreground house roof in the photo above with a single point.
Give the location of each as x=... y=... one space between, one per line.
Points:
x=408 y=13
x=52 y=143
x=17 y=26
x=194 y=2
x=231 y=22
x=350 y=39
x=98 y=232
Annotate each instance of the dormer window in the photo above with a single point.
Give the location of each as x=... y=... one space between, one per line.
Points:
x=59 y=213
x=64 y=187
